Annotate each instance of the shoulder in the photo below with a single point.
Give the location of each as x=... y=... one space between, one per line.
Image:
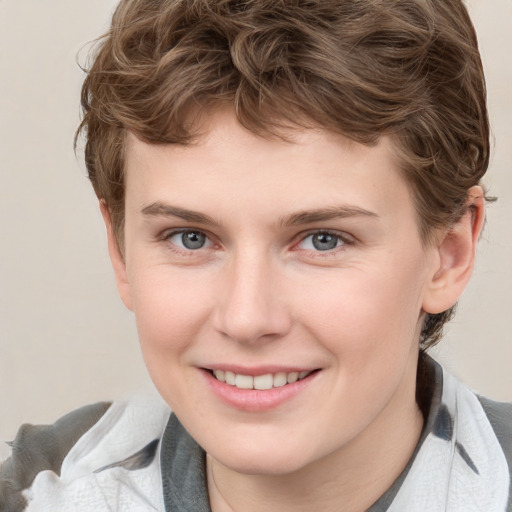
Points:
x=82 y=456
x=500 y=418
x=39 y=448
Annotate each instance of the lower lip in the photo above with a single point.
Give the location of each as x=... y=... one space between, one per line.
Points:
x=253 y=400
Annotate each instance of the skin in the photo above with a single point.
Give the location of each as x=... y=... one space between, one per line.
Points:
x=260 y=294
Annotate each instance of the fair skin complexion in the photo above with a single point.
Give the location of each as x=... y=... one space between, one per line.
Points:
x=268 y=258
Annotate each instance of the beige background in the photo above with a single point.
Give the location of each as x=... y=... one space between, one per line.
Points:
x=65 y=339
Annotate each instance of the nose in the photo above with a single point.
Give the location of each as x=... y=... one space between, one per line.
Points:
x=251 y=308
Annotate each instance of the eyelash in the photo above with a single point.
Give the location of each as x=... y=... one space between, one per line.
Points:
x=167 y=236
x=343 y=240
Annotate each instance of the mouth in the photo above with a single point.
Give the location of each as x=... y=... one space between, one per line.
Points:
x=259 y=390
x=260 y=382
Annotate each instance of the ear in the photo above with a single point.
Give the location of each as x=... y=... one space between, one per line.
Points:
x=116 y=257
x=455 y=256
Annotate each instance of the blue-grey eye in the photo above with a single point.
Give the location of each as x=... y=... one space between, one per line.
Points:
x=325 y=241
x=193 y=239
x=321 y=241
x=190 y=240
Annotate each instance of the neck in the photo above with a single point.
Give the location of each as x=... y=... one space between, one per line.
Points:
x=352 y=478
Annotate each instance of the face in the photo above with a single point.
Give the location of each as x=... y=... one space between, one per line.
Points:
x=293 y=267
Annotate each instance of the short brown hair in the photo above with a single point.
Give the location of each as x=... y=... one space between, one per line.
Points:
x=409 y=69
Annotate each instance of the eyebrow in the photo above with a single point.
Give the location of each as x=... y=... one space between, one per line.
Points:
x=160 y=209
x=323 y=214
x=298 y=218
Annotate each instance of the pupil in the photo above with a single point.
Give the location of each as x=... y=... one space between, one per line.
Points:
x=193 y=240
x=324 y=241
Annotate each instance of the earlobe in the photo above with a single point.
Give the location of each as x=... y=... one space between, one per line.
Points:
x=116 y=257
x=455 y=256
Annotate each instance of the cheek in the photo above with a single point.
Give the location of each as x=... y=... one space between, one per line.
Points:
x=170 y=314
x=170 y=311
x=368 y=322
x=366 y=312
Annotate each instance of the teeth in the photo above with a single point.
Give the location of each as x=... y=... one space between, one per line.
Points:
x=220 y=375
x=280 y=380
x=292 y=377
x=261 y=382
x=244 y=382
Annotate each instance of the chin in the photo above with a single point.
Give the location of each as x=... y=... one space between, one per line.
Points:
x=263 y=466
x=261 y=460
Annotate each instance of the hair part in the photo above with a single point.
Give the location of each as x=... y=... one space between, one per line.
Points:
x=408 y=69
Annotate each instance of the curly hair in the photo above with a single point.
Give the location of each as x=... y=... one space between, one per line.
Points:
x=407 y=69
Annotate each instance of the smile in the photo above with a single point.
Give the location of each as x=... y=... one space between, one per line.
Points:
x=259 y=382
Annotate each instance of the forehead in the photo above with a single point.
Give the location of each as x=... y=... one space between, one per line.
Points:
x=230 y=167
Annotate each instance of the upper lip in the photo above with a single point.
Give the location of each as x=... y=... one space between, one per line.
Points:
x=254 y=371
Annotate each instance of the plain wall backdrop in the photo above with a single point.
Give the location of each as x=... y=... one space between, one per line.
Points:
x=65 y=337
